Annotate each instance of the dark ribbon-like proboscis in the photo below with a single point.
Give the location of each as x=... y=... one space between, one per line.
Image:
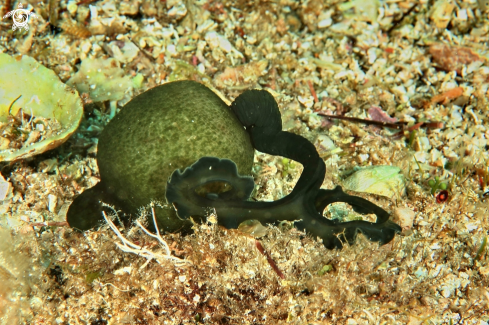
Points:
x=215 y=183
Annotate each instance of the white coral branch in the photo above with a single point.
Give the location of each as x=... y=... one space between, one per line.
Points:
x=129 y=247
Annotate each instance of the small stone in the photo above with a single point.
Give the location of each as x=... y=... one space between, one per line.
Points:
x=33 y=137
x=307 y=101
x=483 y=5
x=324 y=22
x=5 y=188
x=364 y=10
x=4 y=143
x=72 y=7
x=251 y=40
x=484 y=270
x=52 y=202
x=171 y=50
x=124 y=52
x=121 y=271
x=453 y=58
x=293 y=21
x=324 y=144
x=442 y=13
x=422 y=144
x=129 y=8
x=405 y=217
x=36 y=303
x=216 y=40
x=178 y=11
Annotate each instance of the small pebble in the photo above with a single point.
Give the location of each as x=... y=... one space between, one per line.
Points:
x=405 y=217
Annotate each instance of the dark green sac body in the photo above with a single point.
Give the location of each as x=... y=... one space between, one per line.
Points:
x=166 y=128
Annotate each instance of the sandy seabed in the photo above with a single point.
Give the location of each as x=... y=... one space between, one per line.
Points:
x=424 y=63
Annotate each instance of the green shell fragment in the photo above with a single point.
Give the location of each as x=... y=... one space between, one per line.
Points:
x=380 y=180
x=103 y=79
x=36 y=108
